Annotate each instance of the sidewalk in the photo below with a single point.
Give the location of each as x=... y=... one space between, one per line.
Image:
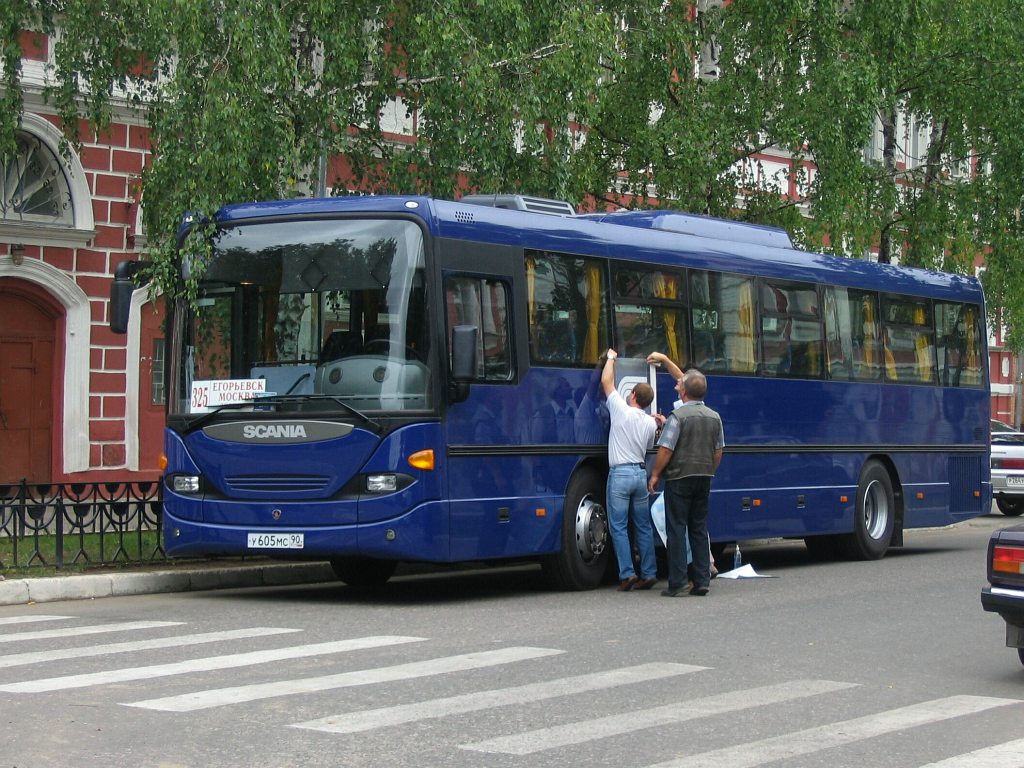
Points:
x=185 y=578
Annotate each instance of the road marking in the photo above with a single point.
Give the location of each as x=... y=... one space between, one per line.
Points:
x=579 y=732
x=1008 y=755
x=823 y=737
x=92 y=629
x=30 y=619
x=38 y=657
x=204 y=665
x=221 y=696
x=369 y=719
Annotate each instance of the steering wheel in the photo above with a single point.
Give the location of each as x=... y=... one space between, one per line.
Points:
x=388 y=346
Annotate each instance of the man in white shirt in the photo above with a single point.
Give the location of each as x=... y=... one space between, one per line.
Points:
x=631 y=435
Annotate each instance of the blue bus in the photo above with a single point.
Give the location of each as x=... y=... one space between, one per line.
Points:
x=371 y=380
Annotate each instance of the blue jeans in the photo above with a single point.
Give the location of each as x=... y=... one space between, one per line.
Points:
x=686 y=524
x=629 y=501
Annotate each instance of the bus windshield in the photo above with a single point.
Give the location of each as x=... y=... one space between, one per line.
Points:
x=307 y=315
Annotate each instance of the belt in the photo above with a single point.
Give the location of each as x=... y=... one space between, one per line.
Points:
x=631 y=464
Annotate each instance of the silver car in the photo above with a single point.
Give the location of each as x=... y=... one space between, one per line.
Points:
x=1008 y=468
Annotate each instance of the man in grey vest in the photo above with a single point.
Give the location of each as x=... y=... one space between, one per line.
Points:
x=689 y=452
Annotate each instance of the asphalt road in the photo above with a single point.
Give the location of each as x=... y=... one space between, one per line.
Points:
x=889 y=663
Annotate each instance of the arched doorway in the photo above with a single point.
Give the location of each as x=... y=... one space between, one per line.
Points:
x=28 y=341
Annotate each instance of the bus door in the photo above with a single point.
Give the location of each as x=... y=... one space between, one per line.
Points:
x=489 y=483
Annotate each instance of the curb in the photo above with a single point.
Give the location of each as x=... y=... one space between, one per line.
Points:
x=90 y=586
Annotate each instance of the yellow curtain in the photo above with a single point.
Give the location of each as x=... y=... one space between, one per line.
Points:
x=869 y=332
x=973 y=369
x=922 y=348
x=669 y=289
x=890 y=360
x=590 y=346
x=745 y=347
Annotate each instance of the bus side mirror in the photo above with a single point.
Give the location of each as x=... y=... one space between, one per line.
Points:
x=121 y=290
x=463 y=361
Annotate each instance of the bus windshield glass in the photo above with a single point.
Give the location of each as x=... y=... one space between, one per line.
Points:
x=307 y=315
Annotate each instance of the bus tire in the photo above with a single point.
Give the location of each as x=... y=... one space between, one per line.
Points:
x=582 y=561
x=874 y=518
x=363 y=572
x=1010 y=507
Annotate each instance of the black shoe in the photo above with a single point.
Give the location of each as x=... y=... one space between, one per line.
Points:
x=699 y=591
x=675 y=592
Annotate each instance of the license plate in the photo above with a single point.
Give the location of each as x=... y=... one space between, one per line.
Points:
x=1015 y=481
x=276 y=541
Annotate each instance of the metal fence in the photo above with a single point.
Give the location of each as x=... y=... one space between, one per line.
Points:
x=80 y=524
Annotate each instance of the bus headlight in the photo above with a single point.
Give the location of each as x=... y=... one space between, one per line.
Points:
x=381 y=483
x=185 y=483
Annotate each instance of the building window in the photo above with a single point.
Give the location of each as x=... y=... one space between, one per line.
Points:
x=158 y=395
x=33 y=185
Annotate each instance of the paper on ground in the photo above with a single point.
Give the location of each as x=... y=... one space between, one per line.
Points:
x=744 y=572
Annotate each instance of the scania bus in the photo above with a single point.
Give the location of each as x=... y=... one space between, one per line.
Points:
x=378 y=379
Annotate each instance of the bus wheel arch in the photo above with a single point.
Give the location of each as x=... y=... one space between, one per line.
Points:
x=878 y=512
x=582 y=559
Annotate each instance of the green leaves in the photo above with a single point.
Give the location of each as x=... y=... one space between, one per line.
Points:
x=616 y=102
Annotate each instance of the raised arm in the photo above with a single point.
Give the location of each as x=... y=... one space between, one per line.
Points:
x=608 y=373
x=660 y=358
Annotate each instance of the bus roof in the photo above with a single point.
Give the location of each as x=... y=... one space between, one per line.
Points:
x=670 y=238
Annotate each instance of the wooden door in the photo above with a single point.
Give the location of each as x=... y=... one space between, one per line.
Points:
x=27 y=334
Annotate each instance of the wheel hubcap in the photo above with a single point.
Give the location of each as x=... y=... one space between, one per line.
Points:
x=591 y=529
x=876 y=510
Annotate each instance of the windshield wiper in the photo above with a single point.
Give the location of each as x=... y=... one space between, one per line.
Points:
x=203 y=418
x=375 y=426
x=256 y=404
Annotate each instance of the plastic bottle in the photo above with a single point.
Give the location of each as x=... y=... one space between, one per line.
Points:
x=737 y=558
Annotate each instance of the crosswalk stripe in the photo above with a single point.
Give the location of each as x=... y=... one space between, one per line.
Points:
x=579 y=732
x=204 y=665
x=1008 y=755
x=30 y=619
x=831 y=735
x=92 y=629
x=221 y=696
x=39 y=657
x=366 y=720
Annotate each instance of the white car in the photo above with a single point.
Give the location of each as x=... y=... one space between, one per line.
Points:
x=1008 y=468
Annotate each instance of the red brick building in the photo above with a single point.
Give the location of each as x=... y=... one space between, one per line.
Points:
x=76 y=401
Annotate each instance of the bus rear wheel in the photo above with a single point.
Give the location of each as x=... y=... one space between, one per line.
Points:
x=875 y=515
x=582 y=561
x=363 y=572
x=1010 y=507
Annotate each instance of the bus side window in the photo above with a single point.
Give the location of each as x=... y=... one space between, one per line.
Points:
x=790 y=330
x=909 y=341
x=566 y=308
x=650 y=312
x=723 y=322
x=956 y=338
x=838 y=335
x=867 y=352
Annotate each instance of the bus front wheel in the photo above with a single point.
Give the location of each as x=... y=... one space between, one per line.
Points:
x=363 y=572
x=874 y=517
x=582 y=561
